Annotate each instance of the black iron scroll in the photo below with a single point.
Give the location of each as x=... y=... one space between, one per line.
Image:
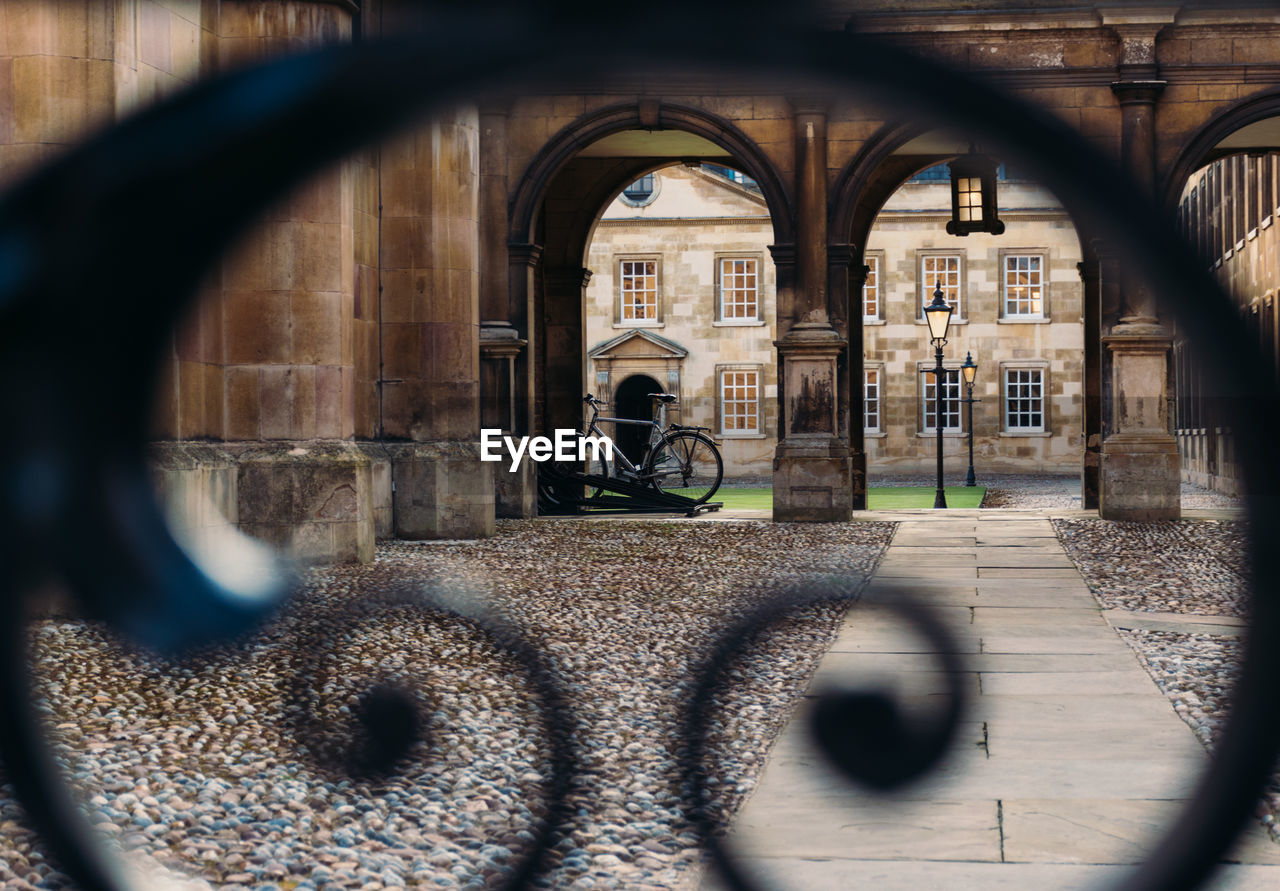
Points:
x=101 y=251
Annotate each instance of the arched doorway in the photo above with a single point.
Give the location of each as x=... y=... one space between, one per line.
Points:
x=1031 y=319
x=558 y=202
x=631 y=400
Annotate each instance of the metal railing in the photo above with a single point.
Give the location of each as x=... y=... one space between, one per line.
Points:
x=101 y=251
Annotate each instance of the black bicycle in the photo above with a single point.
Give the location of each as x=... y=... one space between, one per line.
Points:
x=677 y=459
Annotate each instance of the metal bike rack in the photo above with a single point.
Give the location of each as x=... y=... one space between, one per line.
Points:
x=627 y=498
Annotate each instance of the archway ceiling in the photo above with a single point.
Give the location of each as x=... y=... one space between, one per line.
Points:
x=934 y=142
x=1261 y=135
x=653 y=144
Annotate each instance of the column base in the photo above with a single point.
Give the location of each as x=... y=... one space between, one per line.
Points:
x=516 y=492
x=858 y=475
x=813 y=483
x=1140 y=478
x=441 y=490
x=312 y=500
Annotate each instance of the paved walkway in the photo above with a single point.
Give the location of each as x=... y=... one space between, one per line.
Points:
x=1070 y=760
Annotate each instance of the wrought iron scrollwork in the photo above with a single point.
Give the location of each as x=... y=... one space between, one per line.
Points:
x=383 y=732
x=100 y=250
x=863 y=732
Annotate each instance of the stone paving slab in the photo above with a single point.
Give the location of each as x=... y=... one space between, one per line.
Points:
x=1144 y=621
x=886 y=830
x=1103 y=831
x=1090 y=683
x=922 y=875
x=1067 y=740
x=891 y=664
x=1028 y=573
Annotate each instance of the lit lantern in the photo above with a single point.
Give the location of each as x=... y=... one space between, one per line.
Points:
x=973 y=196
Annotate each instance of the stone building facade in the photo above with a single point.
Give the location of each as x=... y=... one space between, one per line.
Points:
x=1020 y=316
x=705 y=331
x=1228 y=212
x=1018 y=302
x=331 y=384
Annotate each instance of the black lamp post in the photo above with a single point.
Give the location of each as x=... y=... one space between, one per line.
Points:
x=938 y=315
x=970 y=371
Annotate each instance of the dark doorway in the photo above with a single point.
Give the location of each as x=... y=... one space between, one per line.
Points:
x=632 y=401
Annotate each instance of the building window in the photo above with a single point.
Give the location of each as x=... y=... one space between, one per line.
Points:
x=1023 y=286
x=638 y=286
x=940 y=270
x=740 y=401
x=871 y=400
x=641 y=192
x=950 y=402
x=1024 y=400
x=739 y=288
x=871 y=290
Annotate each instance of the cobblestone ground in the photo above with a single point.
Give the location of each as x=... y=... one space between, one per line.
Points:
x=195 y=767
x=1191 y=567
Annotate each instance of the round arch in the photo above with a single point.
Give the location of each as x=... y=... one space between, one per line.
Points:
x=1196 y=150
x=861 y=191
x=855 y=197
x=564 y=145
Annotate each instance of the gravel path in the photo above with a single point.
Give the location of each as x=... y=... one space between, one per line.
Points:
x=195 y=765
x=1187 y=567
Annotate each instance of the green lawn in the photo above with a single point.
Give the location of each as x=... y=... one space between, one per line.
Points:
x=897 y=498
x=906 y=497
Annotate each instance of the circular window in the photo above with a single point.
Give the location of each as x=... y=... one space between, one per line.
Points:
x=641 y=192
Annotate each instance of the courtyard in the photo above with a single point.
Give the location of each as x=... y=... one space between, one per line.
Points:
x=214 y=770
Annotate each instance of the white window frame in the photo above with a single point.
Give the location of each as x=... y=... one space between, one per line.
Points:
x=872 y=283
x=954 y=291
x=869 y=372
x=623 y=293
x=1041 y=288
x=1008 y=388
x=751 y=401
x=951 y=380
x=756 y=316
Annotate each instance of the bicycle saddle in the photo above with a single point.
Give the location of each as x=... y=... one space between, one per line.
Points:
x=662 y=397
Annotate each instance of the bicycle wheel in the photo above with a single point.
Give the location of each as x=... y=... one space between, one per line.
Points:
x=686 y=463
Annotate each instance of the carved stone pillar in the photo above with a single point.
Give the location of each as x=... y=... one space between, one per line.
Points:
x=501 y=342
x=812 y=470
x=1139 y=477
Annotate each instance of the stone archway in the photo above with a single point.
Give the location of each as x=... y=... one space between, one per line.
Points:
x=885 y=163
x=553 y=211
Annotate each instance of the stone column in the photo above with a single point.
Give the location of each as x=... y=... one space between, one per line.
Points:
x=847 y=275
x=431 y=330
x=1092 y=416
x=812 y=470
x=501 y=342
x=1139 y=477
x=287 y=369
x=563 y=361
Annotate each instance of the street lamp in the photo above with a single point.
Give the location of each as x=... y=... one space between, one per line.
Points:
x=938 y=315
x=973 y=195
x=970 y=371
